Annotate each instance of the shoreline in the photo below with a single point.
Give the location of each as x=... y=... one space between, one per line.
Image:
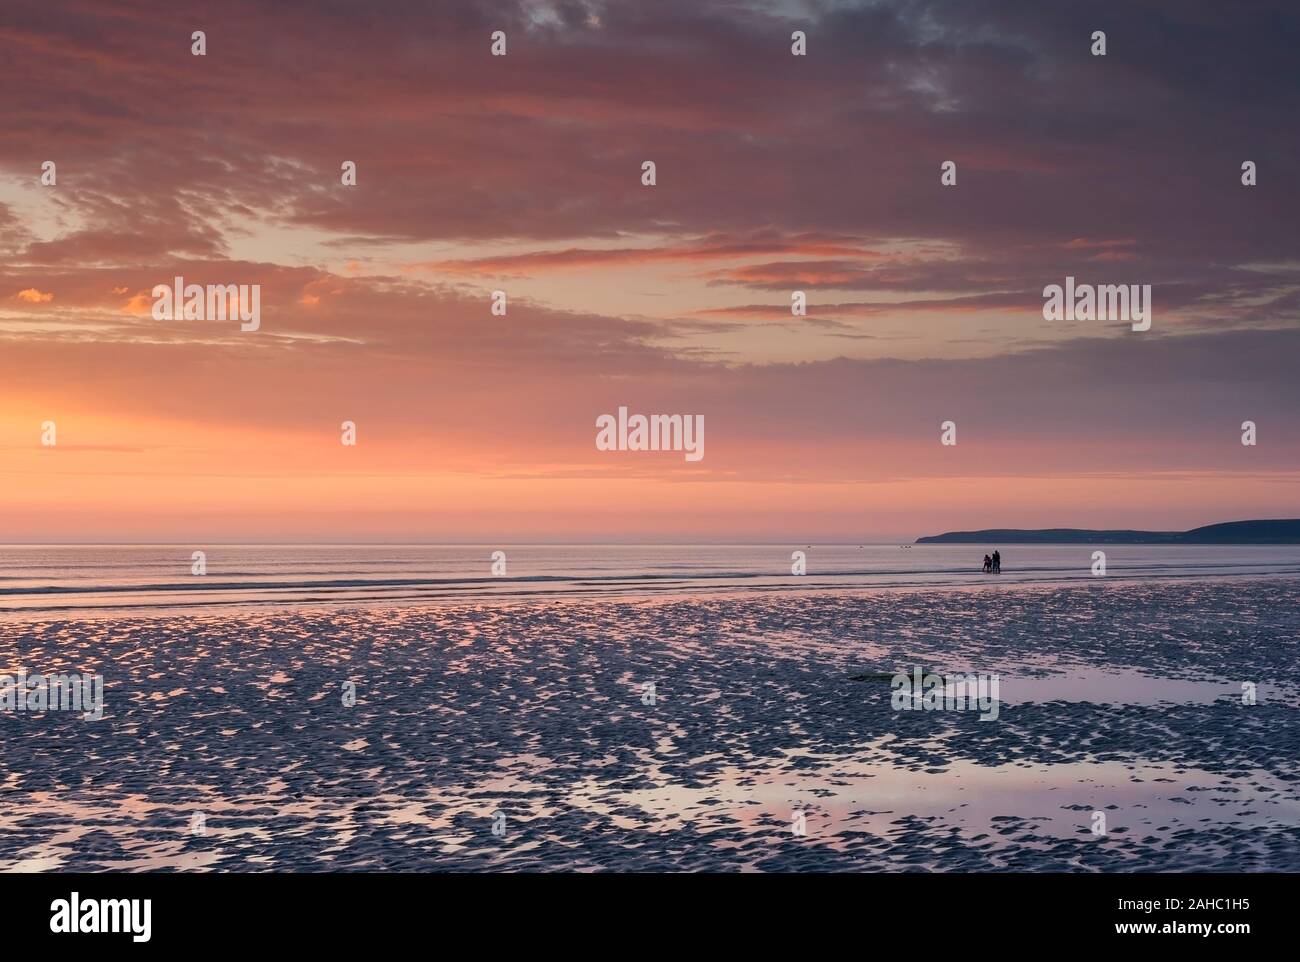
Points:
x=809 y=584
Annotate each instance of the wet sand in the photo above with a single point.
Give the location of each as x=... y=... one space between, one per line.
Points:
x=530 y=718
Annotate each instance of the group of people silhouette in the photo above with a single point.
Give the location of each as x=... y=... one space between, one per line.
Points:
x=993 y=563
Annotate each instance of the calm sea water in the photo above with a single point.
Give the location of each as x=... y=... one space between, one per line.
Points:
x=51 y=578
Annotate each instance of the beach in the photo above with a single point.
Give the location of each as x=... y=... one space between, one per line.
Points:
x=732 y=731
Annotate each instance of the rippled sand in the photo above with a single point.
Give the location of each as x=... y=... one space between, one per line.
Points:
x=536 y=712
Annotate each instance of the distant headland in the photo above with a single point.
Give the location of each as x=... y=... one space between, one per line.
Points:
x=1231 y=532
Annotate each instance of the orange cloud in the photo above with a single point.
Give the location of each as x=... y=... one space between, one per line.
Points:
x=34 y=296
x=140 y=305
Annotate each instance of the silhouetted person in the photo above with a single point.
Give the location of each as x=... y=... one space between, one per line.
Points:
x=988 y=564
x=997 y=562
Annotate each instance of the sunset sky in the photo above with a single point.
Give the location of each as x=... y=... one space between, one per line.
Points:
x=522 y=173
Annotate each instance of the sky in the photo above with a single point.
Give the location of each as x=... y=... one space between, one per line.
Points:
x=523 y=173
